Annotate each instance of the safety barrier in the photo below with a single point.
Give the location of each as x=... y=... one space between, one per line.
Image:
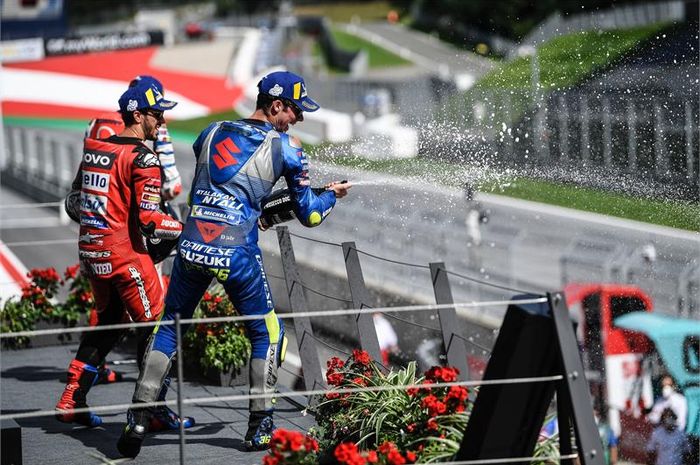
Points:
x=565 y=370
x=509 y=255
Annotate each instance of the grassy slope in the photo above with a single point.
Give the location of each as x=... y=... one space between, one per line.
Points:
x=344 y=12
x=378 y=57
x=567 y=60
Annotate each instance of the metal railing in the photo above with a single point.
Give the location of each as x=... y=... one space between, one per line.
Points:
x=453 y=345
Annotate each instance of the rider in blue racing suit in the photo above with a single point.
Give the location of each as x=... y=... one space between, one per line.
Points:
x=238 y=163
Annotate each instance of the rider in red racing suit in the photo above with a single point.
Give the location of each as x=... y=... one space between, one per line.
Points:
x=120 y=185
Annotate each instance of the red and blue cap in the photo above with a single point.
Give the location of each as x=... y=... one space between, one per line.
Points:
x=144 y=93
x=287 y=86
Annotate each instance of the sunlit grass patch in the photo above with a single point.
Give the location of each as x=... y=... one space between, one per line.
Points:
x=344 y=12
x=671 y=213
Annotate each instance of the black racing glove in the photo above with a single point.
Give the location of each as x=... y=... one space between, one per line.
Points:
x=278 y=208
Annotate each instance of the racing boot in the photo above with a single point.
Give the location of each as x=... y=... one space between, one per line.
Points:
x=165 y=418
x=81 y=377
x=260 y=429
x=106 y=375
x=129 y=444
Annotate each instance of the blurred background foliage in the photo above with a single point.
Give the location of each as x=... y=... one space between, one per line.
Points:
x=510 y=18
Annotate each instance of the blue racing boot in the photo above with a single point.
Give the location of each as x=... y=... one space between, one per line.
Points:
x=164 y=418
x=129 y=444
x=260 y=429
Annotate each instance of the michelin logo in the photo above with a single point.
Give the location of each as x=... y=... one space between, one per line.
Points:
x=208 y=213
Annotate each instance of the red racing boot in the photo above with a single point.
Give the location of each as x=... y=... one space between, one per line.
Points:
x=81 y=377
x=107 y=375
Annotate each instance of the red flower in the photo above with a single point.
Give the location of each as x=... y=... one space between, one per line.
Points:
x=386 y=447
x=410 y=456
x=284 y=441
x=332 y=395
x=347 y=453
x=296 y=442
x=458 y=393
x=411 y=392
x=394 y=457
x=432 y=425
x=335 y=363
x=442 y=374
x=372 y=457
x=360 y=381
x=434 y=406
x=411 y=427
x=311 y=445
x=361 y=356
x=72 y=271
x=270 y=460
x=335 y=379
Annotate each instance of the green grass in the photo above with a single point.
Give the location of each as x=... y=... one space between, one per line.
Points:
x=378 y=57
x=192 y=127
x=47 y=123
x=344 y=12
x=188 y=128
x=675 y=214
x=682 y=215
x=507 y=91
x=567 y=60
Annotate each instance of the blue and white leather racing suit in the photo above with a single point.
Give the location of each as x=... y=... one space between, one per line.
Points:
x=238 y=163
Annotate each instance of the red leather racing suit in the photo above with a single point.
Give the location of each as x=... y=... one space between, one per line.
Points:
x=119 y=183
x=110 y=123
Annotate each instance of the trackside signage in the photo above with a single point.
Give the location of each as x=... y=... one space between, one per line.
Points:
x=101 y=42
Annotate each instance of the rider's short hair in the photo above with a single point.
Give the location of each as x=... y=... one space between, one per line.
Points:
x=128 y=118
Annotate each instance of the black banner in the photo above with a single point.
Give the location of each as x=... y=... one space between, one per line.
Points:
x=102 y=42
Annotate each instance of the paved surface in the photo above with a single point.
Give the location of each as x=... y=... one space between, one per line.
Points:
x=32 y=380
x=426 y=51
x=211 y=58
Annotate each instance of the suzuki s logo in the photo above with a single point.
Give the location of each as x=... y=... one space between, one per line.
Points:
x=224 y=156
x=97 y=159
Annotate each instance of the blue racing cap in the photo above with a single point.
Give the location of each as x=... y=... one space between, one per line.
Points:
x=144 y=94
x=148 y=80
x=287 y=86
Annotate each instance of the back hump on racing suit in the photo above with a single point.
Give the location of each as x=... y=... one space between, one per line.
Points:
x=238 y=163
x=105 y=125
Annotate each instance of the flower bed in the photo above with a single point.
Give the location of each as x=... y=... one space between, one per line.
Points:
x=220 y=350
x=38 y=304
x=420 y=424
